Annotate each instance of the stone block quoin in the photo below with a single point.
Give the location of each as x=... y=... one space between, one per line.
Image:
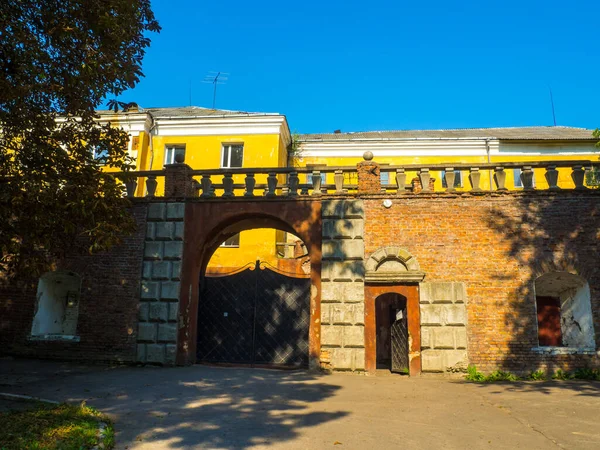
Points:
x=159 y=296
x=342 y=285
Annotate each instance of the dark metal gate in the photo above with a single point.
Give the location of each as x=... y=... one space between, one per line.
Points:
x=258 y=315
x=399 y=338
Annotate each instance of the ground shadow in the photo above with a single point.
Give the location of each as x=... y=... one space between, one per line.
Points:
x=576 y=387
x=198 y=406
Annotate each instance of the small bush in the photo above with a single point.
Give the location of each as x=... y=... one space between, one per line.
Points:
x=500 y=375
x=587 y=374
x=474 y=375
x=562 y=375
x=537 y=375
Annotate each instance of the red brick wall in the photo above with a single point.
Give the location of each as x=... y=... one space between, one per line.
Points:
x=497 y=245
x=107 y=309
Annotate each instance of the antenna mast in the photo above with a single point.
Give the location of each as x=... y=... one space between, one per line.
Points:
x=552 y=103
x=215 y=78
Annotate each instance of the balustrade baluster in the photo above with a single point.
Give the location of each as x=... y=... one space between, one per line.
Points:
x=527 y=178
x=578 y=176
x=450 y=177
x=425 y=177
x=293 y=182
x=552 y=177
x=500 y=178
x=475 y=179
x=271 y=184
x=151 y=185
x=316 y=182
x=130 y=186
x=401 y=181
x=250 y=184
x=196 y=187
x=207 y=190
x=228 y=186
x=338 y=179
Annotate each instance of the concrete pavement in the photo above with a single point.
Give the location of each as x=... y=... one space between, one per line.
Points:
x=211 y=407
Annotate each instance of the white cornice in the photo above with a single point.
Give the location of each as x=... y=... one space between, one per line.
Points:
x=442 y=147
x=224 y=125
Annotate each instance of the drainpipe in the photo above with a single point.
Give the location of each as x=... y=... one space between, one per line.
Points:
x=489 y=160
x=150 y=144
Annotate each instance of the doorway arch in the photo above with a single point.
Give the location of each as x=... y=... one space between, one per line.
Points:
x=393 y=271
x=209 y=223
x=391 y=341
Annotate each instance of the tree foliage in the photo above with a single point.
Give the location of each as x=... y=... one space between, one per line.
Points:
x=59 y=59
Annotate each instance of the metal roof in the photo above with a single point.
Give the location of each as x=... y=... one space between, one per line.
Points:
x=513 y=133
x=187 y=112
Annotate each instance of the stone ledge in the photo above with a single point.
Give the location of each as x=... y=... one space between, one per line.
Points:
x=54 y=338
x=565 y=351
x=387 y=277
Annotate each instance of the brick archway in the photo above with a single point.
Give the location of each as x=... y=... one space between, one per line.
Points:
x=207 y=224
x=393 y=270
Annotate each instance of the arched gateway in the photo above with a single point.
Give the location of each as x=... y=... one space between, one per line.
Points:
x=207 y=224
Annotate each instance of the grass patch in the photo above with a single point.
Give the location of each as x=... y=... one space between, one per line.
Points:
x=53 y=427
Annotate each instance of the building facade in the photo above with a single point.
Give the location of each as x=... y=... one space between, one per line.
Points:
x=415 y=280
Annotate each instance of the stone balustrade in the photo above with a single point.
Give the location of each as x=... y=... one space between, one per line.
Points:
x=368 y=177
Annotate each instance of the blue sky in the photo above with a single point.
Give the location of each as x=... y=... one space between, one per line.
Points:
x=359 y=65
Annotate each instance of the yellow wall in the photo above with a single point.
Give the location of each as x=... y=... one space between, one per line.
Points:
x=564 y=179
x=254 y=244
x=204 y=152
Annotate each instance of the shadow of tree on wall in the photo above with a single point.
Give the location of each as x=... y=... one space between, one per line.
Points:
x=543 y=232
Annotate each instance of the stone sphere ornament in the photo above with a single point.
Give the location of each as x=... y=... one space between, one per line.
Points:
x=387 y=203
x=179 y=158
x=368 y=155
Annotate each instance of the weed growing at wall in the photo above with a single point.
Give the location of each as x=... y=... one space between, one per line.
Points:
x=499 y=375
x=587 y=374
x=562 y=375
x=537 y=375
x=474 y=375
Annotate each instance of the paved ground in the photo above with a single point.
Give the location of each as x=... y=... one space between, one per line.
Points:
x=204 y=407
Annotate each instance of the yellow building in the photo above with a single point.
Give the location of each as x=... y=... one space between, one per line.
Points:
x=211 y=139
x=214 y=139
x=470 y=146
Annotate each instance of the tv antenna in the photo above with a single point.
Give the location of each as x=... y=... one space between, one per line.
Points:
x=215 y=78
x=552 y=103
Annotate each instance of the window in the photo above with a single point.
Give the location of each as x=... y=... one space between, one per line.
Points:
x=232 y=242
x=518 y=181
x=548 y=316
x=57 y=307
x=171 y=151
x=564 y=311
x=232 y=156
x=384 y=177
x=457 y=179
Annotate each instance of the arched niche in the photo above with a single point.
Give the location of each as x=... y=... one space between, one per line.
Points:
x=393 y=265
x=564 y=311
x=57 y=306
